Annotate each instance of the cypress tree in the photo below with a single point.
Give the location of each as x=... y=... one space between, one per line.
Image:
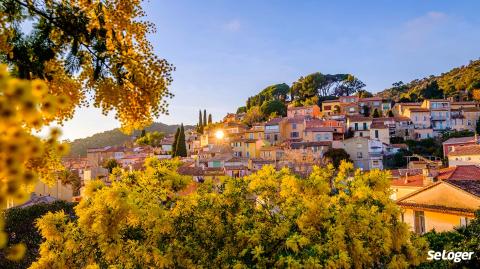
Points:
x=209 y=118
x=181 y=148
x=204 y=117
x=376 y=114
x=175 y=141
x=200 y=122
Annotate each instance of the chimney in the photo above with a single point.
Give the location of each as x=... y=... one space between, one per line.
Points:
x=429 y=175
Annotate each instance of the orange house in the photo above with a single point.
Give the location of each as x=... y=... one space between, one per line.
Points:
x=312 y=111
x=442 y=205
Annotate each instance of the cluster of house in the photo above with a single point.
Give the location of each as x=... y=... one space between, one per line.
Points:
x=432 y=197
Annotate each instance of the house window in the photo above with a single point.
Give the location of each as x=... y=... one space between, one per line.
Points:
x=268 y=137
x=294 y=134
x=376 y=133
x=356 y=126
x=327 y=107
x=375 y=162
x=364 y=126
x=318 y=137
x=419 y=222
x=275 y=137
x=464 y=221
x=352 y=109
x=361 y=134
x=294 y=126
x=359 y=155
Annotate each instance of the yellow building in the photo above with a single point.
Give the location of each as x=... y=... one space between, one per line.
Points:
x=331 y=107
x=442 y=206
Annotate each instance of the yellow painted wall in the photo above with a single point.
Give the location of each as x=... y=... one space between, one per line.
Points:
x=433 y=220
x=402 y=191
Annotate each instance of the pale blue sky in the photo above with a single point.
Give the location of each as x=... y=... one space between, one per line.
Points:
x=225 y=51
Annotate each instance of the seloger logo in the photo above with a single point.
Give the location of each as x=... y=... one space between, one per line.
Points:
x=456 y=256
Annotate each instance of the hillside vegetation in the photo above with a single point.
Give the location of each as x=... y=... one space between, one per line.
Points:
x=115 y=137
x=461 y=83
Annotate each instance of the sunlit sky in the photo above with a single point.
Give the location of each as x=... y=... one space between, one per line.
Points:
x=225 y=51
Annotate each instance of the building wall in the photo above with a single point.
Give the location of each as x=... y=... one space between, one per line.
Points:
x=288 y=129
x=441 y=222
x=383 y=135
x=463 y=160
x=57 y=190
x=401 y=191
x=318 y=136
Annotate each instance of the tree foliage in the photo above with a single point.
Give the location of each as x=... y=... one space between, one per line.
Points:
x=462 y=239
x=110 y=164
x=89 y=48
x=460 y=83
x=254 y=115
x=335 y=219
x=152 y=139
x=181 y=146
x=274 y=106
x=20 y=226
x=336 y=156
x=26 y=106
x=277 y=92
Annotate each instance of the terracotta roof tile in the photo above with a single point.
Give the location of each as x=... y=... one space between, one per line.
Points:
x=455 y=140
x=463 y=172
x=465 y=150
x=470 y=186
x=412 y=181
x=356 y=118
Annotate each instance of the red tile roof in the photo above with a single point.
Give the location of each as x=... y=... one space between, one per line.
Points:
x=463 y=172
x=470 y=186
x=356 y=118
x=319 y=129
x=460 y=140
x=465 y=150
x=378 y=125
x=411 y=181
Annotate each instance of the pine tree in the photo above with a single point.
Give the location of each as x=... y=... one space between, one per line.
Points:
x=204 y=117
x=181 y=148
x=209 y=118
x=376 y=114
x=390 y=113
x=175 y=141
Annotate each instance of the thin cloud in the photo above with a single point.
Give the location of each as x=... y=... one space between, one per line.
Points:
x=232 y=26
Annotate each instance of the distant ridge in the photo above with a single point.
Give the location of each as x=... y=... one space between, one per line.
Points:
x=459 y=83
x=115 y=137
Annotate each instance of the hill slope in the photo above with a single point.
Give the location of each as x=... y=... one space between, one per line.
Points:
x=458 y=83
x=115 y=137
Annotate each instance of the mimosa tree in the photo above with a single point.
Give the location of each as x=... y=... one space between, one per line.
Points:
x=158 y=219
x=77 y=53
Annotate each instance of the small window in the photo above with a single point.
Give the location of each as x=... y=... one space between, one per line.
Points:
x=419 y=222
x=376 y=133
x=359 y=155
x=294 y=126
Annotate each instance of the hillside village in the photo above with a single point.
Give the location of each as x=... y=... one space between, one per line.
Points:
x=432 y=194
